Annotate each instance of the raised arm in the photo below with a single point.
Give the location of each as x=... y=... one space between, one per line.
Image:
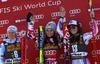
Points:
x=95 y=27
x=95 y=30
x=59 y=26
x=61 y=21
x=89 y=35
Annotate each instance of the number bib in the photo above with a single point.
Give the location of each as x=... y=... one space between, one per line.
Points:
x=12 y=51
x=78 y=50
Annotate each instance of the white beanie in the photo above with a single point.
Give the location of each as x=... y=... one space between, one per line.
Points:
x=73 y=22
x=12 y=28
x=51 y=25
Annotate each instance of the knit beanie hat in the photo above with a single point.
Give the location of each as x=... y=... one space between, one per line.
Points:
x=51 y=25
x=12 y=28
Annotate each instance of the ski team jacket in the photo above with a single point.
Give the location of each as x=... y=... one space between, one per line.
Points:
x=76 y=50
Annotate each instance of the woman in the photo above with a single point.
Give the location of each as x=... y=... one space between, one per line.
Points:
x=51 y=44
x=30 y=21
x=79 y=41
x=11 y=47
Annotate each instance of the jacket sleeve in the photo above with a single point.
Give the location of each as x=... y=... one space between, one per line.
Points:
x=87 y=36
x=60 y=26
x=2 y=51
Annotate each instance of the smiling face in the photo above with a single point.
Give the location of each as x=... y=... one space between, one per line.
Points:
x=11 y=35
x=73 y=29
x=50 y=32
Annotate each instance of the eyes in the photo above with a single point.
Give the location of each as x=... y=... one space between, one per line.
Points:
x=71 y=27
x=11 y=32
x=49 y=30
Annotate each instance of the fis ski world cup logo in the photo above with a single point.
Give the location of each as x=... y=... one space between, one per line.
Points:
x=3 y=0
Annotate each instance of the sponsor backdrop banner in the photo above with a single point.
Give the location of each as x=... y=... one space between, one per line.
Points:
x=13 y=12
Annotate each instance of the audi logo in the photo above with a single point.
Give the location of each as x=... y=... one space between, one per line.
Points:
x=26 y=46
x=27 y=61
x=36 y=46
x=98 y=22
x=50 y=52
x=97 y=37
x=54 y=14
x=41 y=16
x=37 y=59
x=95 y=52
x=75 y=11
x=80 y=24
x=35 y=30
x=4 y=22
x=2 y=36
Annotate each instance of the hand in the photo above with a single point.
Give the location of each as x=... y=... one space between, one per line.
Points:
x=92 y=15
x=62 y=11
